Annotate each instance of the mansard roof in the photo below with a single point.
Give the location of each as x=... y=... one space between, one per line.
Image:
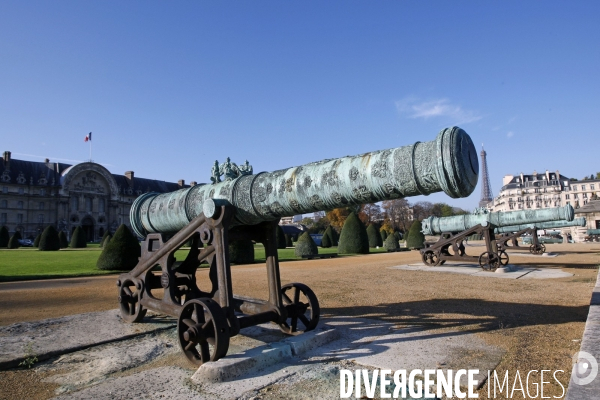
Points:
x=22 y=172
x=592 y=206
x=533 y=180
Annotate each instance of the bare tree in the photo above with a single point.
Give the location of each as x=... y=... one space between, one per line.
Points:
x=398 y=214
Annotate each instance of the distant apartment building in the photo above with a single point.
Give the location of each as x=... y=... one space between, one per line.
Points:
x=546 y=190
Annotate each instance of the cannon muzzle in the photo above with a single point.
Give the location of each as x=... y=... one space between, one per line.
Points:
x=448 y=163
x=542 y=225
x=459 y=223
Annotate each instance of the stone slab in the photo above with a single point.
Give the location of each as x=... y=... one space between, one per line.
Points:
x=54 y=337
x=515 y=271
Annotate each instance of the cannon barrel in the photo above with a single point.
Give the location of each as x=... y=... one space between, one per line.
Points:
x=542 y=225
x=459 y=223
x=448 y=163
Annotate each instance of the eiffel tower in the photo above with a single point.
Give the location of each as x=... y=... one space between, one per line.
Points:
x=486 y=188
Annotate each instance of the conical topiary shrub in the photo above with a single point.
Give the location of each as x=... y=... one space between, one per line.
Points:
x=281 y=244
x=4 y=236
x=106 y=234
x=415 y=238
x=78 y=240
x=326 y=240
x=49 y=240
x=391 y=243
x=305 y=246
x=374 y=236
x=384 y=236
x=62 y=237
x=18 y=235
x=329 y=233
x=121 y=253
x=241 y=252
x=335 y=238
x=288 y=241
x=353 y=238
x=36 y=241
x=13 y=242
x=106 y=240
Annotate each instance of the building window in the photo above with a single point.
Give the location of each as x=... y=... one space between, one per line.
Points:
x=42 y=192
x=19 y=218
x=575 y=196
x=41 y=205
x=582 y=188
x=592 y=187
x=101 y=205
x=75 y=203
x=520 y=206
x=585 y=195
x=20 y=205
x=3 y=218
x=584 y=202
x=20 y=190
x=88 y=204
x=510 y=205
x=567 y=196
x=4 y=189
x=41 y=218
x=574 y=187
x=4 y=204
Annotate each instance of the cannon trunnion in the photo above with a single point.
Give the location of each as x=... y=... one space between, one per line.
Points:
x=248 y=207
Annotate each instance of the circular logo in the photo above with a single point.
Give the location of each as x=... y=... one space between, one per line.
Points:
x=585 y=368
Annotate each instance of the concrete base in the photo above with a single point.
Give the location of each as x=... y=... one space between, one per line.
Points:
x=509 y=271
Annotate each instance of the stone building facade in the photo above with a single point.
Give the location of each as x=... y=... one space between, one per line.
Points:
x=34 y=195
x=546 y=190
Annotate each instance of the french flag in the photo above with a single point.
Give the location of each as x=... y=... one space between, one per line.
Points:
x=88 y=137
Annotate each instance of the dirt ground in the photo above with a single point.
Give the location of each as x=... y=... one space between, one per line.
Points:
x=539 y=322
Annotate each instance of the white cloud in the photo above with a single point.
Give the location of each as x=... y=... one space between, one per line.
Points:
x=415 y=108
x=510 y=134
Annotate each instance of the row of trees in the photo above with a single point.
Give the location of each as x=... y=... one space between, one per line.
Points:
x=50 y=239
x=392 y=216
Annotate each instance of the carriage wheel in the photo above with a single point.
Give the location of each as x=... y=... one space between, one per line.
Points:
x=489 y=261
x=302 y=305
x=430 y=258
x=130 y=296
x=203 y=331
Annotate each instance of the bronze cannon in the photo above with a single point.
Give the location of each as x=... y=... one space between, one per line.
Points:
x=240 y=205
x=454 y=231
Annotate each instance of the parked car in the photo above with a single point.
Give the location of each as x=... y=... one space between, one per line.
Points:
x=26 y=243
x=544 y=239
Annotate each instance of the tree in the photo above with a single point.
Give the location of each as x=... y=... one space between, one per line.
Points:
x=422 y=210
x=334 y=236
x=106 y=234
x=36 y=241
x=370 y=213
x=241 y=251
x=391 y=243
x=397 y=215
x=121 y=253
x=78 y=240
x=280 y=236
x=597 y=175
x=4 y=236
x=64 y=243
x=305 y=246
x=109 y=238
x=374 y=236
x=353 y=238
x=13 y=242
x=49 y=240
x=338 y=216
x=415 y=237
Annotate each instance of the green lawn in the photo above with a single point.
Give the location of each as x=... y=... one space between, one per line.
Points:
x=28 y=263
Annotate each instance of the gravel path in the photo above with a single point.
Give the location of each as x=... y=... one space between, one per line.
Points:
x=538 y=322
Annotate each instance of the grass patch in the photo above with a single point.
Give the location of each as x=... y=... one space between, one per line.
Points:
x=29 y=263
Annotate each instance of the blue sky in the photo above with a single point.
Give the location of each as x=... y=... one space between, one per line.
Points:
x=168 y=87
